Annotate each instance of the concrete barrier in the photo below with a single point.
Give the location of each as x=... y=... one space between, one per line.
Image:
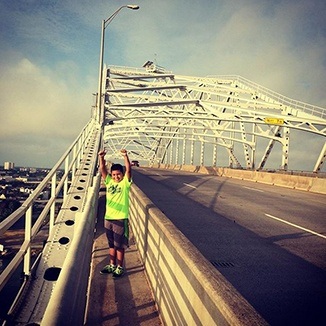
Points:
x=68 y=300
x=306 y=183
x=187 y=289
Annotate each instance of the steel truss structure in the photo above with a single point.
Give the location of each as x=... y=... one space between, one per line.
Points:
x=161 y=117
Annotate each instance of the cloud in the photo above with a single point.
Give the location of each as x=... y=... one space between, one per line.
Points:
x=257 y=40
x=41 y=107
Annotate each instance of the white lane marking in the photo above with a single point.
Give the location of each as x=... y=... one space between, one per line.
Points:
x=253 y=189
x=296 y=226
x=188 y=185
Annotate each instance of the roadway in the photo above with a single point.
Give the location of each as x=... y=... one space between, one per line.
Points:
x=268 y=242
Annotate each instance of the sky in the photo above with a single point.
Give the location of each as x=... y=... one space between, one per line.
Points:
x=49 y=57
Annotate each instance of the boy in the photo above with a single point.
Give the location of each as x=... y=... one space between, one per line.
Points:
x=118 y=186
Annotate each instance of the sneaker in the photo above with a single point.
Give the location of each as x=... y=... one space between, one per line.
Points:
x=119 y=271
x=108 y=269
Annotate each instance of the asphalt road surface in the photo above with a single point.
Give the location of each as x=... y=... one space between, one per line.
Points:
x=268 y=241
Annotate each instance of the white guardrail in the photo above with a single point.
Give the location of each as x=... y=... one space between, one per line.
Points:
x=67 y=303
x=69 y=164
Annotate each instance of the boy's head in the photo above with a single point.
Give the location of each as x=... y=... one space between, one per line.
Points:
x=117 y=172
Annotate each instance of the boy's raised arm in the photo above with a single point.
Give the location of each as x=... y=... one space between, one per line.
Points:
x=126 y=163
x=103 y=168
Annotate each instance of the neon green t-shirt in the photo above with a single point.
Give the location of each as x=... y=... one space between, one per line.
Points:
x=117 y=198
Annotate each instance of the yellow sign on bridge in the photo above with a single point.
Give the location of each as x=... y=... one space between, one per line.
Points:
x=274 y=121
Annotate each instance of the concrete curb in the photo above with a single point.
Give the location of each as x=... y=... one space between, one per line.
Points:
x=306 y=183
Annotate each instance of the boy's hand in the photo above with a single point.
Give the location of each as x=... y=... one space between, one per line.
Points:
x=123 y=152
x=102 y=153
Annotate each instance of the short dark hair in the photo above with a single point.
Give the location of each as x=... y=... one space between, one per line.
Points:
x=117 y=167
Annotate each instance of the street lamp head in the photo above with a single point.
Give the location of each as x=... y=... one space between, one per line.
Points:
x=133 y=7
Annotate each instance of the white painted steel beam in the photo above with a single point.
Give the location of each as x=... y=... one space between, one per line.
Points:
x=234 y=118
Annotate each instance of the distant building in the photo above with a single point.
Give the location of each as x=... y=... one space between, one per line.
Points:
x=8 y=165
x=26 y=190
x=22 y=179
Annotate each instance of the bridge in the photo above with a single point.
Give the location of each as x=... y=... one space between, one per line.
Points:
x=218 y=125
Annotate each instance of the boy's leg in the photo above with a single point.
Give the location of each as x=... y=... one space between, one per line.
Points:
x=121 y=241
x=119 y=271
x=112 y=252
x=113 y=256
x=120 y=253
x=110 y=236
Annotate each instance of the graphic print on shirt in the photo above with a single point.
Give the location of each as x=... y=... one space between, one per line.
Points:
x=113 y=189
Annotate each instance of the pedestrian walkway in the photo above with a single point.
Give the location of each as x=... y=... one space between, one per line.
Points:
x=118 y=301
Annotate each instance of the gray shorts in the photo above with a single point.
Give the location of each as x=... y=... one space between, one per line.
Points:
x=117 y=233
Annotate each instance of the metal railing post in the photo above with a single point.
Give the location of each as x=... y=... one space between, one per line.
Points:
x=28 y=233
x=65 y=188
x=74 y=158
x=53 y=197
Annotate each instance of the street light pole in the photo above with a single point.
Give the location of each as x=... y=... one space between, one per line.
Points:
x=105 y=23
